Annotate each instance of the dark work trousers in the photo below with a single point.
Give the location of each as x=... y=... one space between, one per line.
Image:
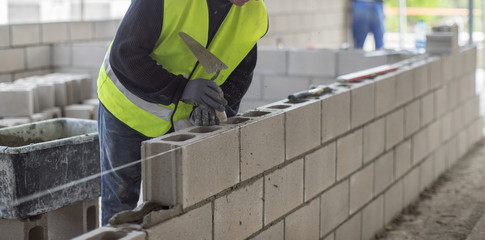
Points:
x=119 y=145
x=367 y=16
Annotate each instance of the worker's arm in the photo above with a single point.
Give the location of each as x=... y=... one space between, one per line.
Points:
x=130 y=60
x=238 y=82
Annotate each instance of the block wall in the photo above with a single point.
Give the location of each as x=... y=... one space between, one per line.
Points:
x=307 y=23
x=32 y=49
x=281 y=72
x=337 y=168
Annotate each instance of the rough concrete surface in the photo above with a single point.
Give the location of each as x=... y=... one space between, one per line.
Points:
x=450 y=208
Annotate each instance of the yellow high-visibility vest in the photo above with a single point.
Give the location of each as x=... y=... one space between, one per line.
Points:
x=237 y=35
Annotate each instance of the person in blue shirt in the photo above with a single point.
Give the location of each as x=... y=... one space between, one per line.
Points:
x=368 y=16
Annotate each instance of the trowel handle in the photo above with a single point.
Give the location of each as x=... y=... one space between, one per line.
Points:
x=221 y=116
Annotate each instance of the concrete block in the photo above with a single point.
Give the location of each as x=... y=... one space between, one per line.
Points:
x=448 y=67
x=412 y=118
x=427 y=174
x=393 y=202
x=255 y=91
x=20 y=99
x=421 y=77
x=279 y=87
x=404 y=86
x=394 y=128
x=427 y=109
x=420 y=146
x=434 y=136
x=441 y=101
x=316 y=81
x=13 y=121
x=196 y=170
x=374 y=139
x=330 y=237
x=452 y=91
x=105 y=30
x=471 y=59
x=460 y=61
x=351 y=229
x=31 y=228
x=403 y=158
x=304 y=223
x=285 y=183
x=466 y=86
x=303 y=128
x=38 y=57
x=362 y=103
x=411 y=186
x=274 y=232
x=353 y=60
x=195 y=224
x=95 y=103
x=349 y=154
x=452 y=151
x=88 y=55
x=312 y=63
x=12 y=59
x=81 y=30
x=39 y=117
x=25 y=34
x=111 y=232
x=73 y=220
x=361 y=188
x=82 y=111
x=240 y=213
x=334 y=208
x=6 y=78
x=54 y=112
x=458 y=120
x=271 y=61
x=385 y=94
x=384 y=172
x=4 y=36
x=446 y=126
x=46 y=95
x=435 y=72
x=462 y=143
x=320 y=170
x=440 y=161
x=61 y=55
x=373 y=218
x=55 y=32
x=335 y=115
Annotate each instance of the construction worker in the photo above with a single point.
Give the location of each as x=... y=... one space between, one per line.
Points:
x=368 y=16
x=150 y=80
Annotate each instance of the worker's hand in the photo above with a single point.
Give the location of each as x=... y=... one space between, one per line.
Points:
x=203 y=116
x=204 y=92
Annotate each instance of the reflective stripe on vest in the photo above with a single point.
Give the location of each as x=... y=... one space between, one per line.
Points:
x=153 y=108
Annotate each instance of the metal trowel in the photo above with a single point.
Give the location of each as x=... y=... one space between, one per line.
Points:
x=209 y=62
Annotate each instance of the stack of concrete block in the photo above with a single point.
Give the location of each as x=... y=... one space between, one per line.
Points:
x=64 y=223
x=44 y=97
x=443 y=40
x=338 y=167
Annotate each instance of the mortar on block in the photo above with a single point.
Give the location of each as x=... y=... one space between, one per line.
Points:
x=41 y=156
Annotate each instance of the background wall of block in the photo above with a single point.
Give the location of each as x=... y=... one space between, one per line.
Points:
x=307 y=23
x=338 y=167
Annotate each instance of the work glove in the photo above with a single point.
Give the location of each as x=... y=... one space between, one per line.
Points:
x=203 y=116
x=204 y=92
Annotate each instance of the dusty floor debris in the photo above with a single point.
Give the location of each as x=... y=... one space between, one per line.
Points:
x=449 y=208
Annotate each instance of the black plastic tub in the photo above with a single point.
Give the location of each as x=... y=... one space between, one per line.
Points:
x=36 y=159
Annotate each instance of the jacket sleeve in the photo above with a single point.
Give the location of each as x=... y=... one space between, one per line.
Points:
x=237 y=84
x=129 y=57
